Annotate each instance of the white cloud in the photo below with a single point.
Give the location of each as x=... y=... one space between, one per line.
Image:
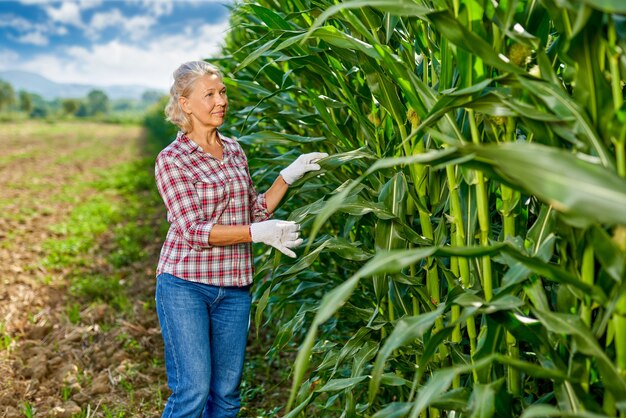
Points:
x=67 y=12
x=158 y=7
x=138 y=26
x=29 y=32
x=89 y=4
x=34 y=38
x=150 y=64
x=135 y=27
x=103 y=20
x=83 y=4
x=8 y=20
x=59 y=30
x=34 y=1
x=8 y=59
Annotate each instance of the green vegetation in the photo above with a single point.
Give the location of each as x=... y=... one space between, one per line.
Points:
x=28 y=410
x=95 y=106
x=126 y=198
x=84 y=220
x=7 y=94
x=5 y=339
x=466 y=240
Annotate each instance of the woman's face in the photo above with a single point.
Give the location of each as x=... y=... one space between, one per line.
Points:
x=207 y=104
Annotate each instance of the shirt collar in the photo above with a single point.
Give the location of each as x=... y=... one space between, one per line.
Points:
x=186 y=144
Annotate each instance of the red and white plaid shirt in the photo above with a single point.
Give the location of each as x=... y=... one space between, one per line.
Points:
x=200 y=191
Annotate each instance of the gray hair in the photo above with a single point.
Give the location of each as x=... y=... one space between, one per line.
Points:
x=184 y=78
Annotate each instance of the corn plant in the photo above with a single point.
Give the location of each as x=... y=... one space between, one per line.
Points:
x=466 y=239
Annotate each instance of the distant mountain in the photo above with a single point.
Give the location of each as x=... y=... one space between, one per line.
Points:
x=48 y=89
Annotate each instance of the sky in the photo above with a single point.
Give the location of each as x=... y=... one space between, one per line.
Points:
x=107 y=42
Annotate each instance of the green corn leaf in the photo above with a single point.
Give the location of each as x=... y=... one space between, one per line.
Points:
x=585 y=342
x=482 y=401
x=359 y=206
x=272 y=19
x=610 y=256
x=332 y=205
x=563 y=105
x=531 y=369
x=331 y=302
x=556 y=274
x=390 y=379
x=405 y=331
x=306 y=260
x=277 y=138
x=347 y=249
x=395 y=7
x=249 y=86
x=584 y=191
x=337 y=160
x=523 y=328
x=341 y=39
x=541 y=411
x=439 y=383
x=366 y=353
x=260 y=308
x=336 y=201
x=531 y=112
x=355 y=344
x=385 y=91
x=301 y=407
x=394 y=410
x=460 y=35
x=607 y=6
x=341 y=384
x=489 y=339
x=256 y=54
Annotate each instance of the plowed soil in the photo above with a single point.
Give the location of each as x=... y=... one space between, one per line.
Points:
x=104 y=363
x=64 y=354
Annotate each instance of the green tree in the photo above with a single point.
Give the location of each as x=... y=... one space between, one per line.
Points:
x=70 y=106
x=7 y=94
x=122 y=105
x=97 y=102
x=26 y=102
x=151 y=96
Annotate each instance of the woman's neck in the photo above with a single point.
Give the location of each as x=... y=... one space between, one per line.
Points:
x=208 y=137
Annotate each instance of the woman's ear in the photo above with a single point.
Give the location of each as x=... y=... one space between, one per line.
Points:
x=183 y=102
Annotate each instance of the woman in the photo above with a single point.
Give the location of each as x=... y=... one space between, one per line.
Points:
x=205 y=268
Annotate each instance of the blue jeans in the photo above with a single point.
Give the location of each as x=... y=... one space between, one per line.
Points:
x=204 y=329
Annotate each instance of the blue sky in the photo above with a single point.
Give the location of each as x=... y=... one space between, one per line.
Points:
x=105 y=42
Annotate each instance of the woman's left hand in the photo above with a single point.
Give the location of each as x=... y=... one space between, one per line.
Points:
x=303 y=164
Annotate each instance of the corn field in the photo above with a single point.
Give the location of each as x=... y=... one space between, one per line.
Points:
x=466 y=238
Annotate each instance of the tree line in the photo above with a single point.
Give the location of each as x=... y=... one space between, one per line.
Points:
x=95 y=104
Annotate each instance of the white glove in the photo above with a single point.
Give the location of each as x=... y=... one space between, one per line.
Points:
x=281 y=235
x=302 y=164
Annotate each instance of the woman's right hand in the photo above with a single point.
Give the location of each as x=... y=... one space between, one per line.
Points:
x=281 y=235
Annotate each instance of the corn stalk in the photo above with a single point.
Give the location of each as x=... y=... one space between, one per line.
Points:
x=476 y=177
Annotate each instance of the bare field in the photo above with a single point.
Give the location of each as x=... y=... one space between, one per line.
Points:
x=67 y=351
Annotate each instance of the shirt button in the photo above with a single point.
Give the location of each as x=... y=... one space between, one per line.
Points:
x=197 y=248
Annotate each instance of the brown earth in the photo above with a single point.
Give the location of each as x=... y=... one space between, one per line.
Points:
x=107 y=363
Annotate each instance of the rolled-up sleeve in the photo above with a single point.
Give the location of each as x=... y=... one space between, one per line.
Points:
x=178 y=191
